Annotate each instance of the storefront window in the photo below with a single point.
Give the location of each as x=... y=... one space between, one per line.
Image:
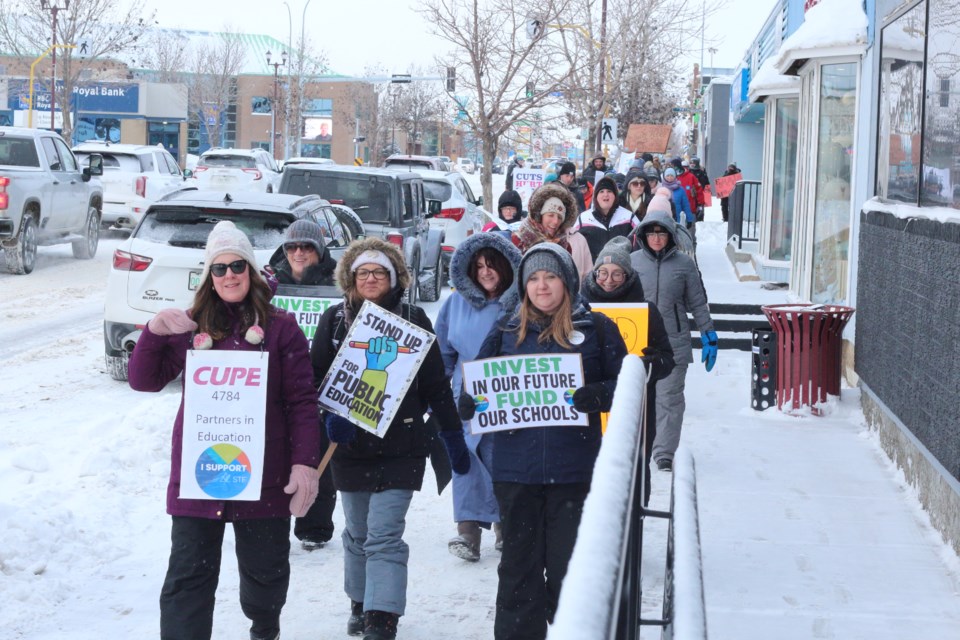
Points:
x=831 y=229
x=901 y=86
x=784 y=178
x=941 y=136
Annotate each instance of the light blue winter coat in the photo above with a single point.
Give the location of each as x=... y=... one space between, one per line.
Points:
x=465 y=319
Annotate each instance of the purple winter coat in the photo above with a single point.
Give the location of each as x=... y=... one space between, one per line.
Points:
x=292 y=424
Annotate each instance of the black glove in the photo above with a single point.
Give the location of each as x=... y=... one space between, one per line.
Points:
x=592 y=398
x=466 y=407
x=457 y=450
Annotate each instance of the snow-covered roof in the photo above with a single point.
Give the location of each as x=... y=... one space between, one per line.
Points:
x=830 y=28
x=767 y=82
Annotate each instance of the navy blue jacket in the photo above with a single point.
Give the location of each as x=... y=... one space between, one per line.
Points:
x=561 y=454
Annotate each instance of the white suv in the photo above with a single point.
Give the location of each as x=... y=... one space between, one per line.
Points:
x=237 y=169
x=134 y=176
x=466 y=165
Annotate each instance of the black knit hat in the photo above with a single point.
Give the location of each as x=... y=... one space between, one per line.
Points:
x=607 y=183
x=567 y=168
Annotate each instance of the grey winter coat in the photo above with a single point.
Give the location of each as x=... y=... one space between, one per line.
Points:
x=671 y=280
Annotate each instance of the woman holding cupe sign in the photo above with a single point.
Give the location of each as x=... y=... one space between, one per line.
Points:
x=541 y=475
x=377 y=476
x=245 y=437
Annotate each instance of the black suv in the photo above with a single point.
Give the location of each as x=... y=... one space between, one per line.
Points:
x=392 y=205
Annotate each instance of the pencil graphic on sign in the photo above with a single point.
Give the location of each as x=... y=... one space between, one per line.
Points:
x=365 y=345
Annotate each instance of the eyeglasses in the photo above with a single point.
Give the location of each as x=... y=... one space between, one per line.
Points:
x=613 y=276
x=219 y=269
x=662 y=235
x=376 y=274
x=293 y=247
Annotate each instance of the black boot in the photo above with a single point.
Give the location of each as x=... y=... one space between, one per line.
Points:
x=379 y=625
x=355 y=623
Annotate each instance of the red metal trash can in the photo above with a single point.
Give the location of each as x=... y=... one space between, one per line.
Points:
x=809 y=342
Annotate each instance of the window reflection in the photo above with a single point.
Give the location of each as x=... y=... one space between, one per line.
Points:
x=784 y=178
x=831 y=232
x=901 y=83
x=940 y=179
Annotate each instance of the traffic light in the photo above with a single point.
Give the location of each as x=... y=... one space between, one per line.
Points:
x=530 y=91
x=451 y=79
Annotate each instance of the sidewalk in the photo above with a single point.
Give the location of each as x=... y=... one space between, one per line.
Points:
x=807 y=529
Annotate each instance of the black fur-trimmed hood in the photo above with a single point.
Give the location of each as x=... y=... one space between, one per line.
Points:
x=463 y=256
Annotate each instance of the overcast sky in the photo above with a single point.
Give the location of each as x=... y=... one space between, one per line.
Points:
x=390 y=33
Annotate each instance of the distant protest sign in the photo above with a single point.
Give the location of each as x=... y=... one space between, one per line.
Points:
x=519 y=392
x=631 y=318
x=224 y=425
x=374 y=368
x=306 y=310
x=726 y=184
x=526 y=181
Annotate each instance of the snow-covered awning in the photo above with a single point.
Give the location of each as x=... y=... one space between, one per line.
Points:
x=767 y=82
x=830 y=28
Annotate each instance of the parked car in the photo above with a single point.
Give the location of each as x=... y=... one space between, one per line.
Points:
x=392 y=204
x=497 y=166
x=45 y=197
x=447 y=162
x=160 y=264
x=133 y=177
x=237 y=169
x=466 y=165
x=306 y=160
x=461 y=212
x=398 y=160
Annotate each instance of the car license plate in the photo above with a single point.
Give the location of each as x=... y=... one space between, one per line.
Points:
x=194 y=280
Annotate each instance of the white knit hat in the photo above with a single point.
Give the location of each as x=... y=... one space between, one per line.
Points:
x=554 y=205
x=226 y=238
x=375 y=257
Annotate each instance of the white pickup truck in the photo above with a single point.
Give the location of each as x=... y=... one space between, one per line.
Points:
x=45 y=197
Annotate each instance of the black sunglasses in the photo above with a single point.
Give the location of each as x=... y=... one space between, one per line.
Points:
x=292 y=247
x=219 y=269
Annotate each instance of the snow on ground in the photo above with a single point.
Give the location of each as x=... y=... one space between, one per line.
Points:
x=807 y=529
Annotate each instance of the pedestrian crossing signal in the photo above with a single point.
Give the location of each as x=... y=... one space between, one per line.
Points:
x=451 y=79
x=530 y=91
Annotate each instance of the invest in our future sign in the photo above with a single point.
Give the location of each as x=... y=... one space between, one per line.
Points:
x=518 y=392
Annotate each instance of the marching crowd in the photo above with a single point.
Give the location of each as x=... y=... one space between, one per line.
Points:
x=522 y=287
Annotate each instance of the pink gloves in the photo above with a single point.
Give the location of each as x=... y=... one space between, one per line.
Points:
x=169 y=322
x=303 y=486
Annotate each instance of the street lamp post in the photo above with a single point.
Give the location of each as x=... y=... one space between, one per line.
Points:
x=53 y=6
x=271 y=62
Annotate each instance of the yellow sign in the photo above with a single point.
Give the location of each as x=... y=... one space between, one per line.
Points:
x=633 y=321
x=358 y=162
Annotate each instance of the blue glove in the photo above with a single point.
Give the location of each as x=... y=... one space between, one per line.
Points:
x=340 y=430
x=709 y=352
x=457 y=450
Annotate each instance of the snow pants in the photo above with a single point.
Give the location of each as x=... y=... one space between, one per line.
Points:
x=539 y=531
x=473 y=498
x=670 y=408
x=374 y=553
x=189 y=589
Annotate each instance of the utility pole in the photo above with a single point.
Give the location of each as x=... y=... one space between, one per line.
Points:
x=603 y=76
x=54 y=8
x=271 y=62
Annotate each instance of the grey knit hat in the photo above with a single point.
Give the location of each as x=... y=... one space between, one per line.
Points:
x=225 y=238
x=305 y=231
x=616 y=251
x=547 y=256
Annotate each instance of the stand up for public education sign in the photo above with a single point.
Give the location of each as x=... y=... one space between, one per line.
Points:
x=518 y=392
x=375 y=366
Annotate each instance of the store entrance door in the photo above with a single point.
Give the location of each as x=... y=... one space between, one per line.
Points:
x=165 y=133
